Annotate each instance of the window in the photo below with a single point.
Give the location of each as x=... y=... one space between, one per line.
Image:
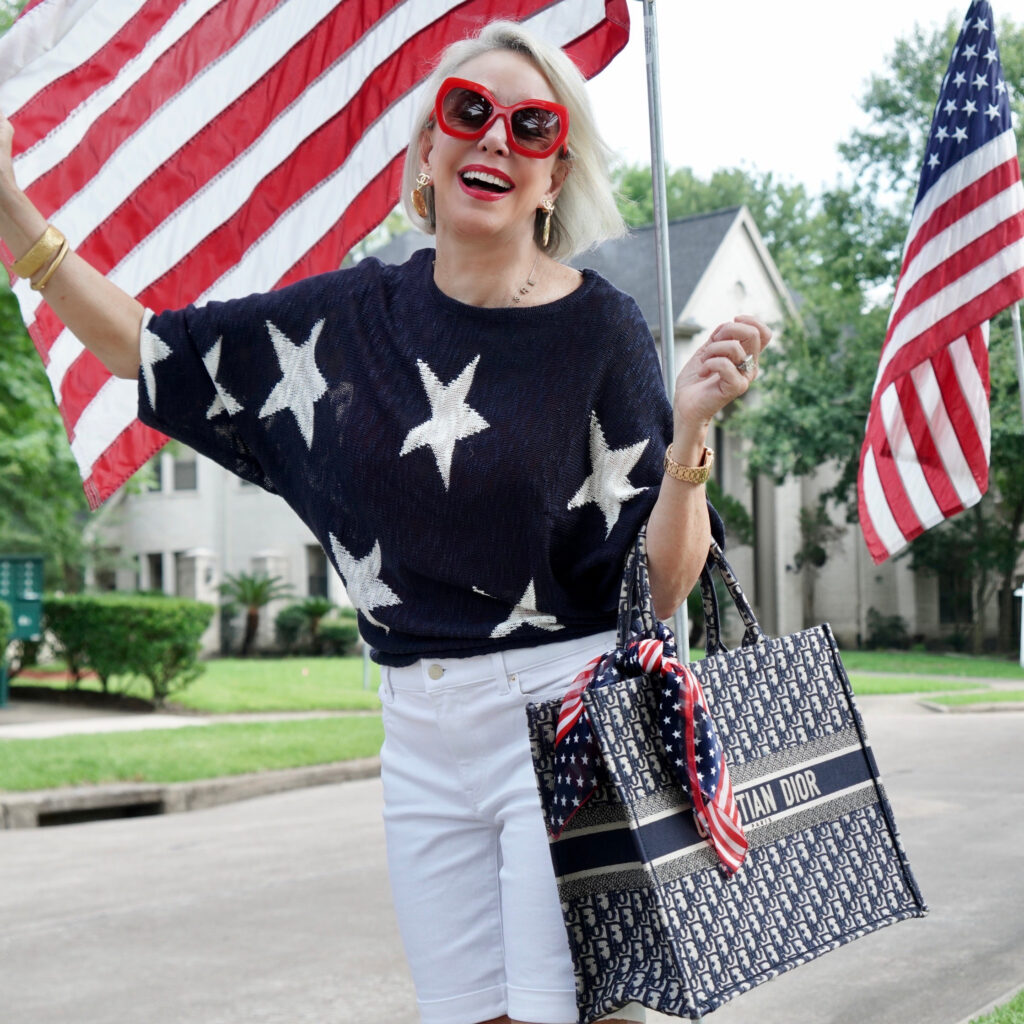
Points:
x=184 y=575
x=316 y=571
x=155 y=565
x=105 y=573
x=185 y=474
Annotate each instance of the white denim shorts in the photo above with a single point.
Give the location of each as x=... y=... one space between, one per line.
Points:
x=471 y=875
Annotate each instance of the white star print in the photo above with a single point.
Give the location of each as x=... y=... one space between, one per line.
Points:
x=990 y=55
x=152 y=350
x=301 y=385
x=451 y=418
x=225 y=401
x=970 y=107
x=361 y=576
x=608 y=485
x=991 y=111
x=525 y=613
x=980 y=81
x=960 y=135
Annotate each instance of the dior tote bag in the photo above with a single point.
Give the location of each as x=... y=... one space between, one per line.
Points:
x=716 y=824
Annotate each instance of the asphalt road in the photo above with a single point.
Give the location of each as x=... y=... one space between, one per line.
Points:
x=277 y=909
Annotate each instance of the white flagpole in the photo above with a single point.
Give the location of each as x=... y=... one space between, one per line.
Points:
x=668 y=334
x=1018 y=349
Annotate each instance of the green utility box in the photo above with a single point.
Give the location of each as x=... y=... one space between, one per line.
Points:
x=21 y=586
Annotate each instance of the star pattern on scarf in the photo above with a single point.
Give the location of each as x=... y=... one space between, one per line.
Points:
x=361 y=576
x=224 y=400
x=301 y=385
x=451 y=417
x=152 y=350
x=608 y=485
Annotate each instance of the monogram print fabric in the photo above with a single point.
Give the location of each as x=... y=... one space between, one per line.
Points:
x=649 y=915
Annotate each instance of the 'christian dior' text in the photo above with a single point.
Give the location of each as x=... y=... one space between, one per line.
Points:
x=764 y=800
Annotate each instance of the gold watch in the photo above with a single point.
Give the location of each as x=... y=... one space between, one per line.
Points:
x=690 y=474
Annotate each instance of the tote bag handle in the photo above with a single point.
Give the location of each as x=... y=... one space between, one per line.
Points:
x=752 y=634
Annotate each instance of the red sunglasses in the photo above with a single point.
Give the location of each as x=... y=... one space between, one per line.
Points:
x=465 y=110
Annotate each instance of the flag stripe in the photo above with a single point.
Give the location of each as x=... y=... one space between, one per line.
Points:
x=981 y=231
x=961 y=204
x=943 y=314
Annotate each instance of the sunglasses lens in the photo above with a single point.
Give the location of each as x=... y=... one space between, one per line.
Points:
x=465 y=110
x=536 y=128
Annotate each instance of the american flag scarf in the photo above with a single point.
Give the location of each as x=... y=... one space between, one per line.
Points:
x=687 y=731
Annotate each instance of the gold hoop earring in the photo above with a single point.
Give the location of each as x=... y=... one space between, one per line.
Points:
x=549 y=208
x=419 y=197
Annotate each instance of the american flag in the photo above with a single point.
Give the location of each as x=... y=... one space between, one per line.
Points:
x=207 y=149
x=926 y=448
x=691 y=743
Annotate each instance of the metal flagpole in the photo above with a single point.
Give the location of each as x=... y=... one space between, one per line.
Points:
x=668 y=334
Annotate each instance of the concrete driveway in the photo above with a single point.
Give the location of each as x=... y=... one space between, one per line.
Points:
x=277 y=909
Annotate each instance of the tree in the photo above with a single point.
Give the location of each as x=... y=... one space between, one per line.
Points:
x=42 y=506
x=253 y=591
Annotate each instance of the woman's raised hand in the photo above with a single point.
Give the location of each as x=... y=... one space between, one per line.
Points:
x=718 y=372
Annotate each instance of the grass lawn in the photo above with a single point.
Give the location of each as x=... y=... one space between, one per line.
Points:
x=264 y=684
x=192 y=752
x=1009 y=1013
x=915 y=663
x=872 y=685
x=987 y=697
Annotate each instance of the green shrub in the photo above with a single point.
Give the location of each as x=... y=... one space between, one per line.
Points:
x=6 y=629
x=155 y=638
x=289 y=626
x=6 y=623
x=887 y=632
x=338 y=636
x=69 y=625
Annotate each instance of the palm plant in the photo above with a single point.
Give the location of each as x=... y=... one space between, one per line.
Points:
x=314 y=609
x=253 y=591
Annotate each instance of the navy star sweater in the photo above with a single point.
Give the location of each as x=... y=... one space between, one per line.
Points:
x=475 y=475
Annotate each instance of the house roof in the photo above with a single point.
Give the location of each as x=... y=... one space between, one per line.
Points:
x=630 y=262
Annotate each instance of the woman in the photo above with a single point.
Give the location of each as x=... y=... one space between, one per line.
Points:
x=475 y=437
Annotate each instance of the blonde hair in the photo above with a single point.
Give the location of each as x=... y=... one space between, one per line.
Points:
x=585 y=211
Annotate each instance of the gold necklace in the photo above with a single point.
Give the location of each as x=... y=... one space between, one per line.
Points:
x=524 y=290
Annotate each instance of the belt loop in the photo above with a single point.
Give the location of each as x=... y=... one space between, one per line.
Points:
x=386 y=691
x=501 y=673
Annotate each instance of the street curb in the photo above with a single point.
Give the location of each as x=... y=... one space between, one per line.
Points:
x=130 y=799
x=994 y=1005
x=973 y=709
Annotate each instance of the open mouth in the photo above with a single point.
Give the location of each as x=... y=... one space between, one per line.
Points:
x=486 y=182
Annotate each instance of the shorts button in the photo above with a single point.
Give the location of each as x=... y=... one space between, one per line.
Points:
x=435 y=671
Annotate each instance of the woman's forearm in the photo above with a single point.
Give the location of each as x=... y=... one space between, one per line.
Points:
x=104 y=318
x=678 y=530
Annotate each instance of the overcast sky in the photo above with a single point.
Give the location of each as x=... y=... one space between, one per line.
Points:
x=768 y=86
